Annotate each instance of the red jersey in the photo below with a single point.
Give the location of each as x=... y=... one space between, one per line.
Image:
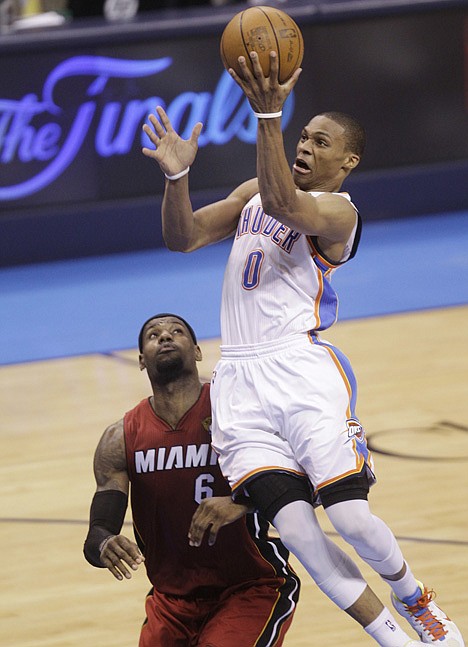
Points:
x=171 y=471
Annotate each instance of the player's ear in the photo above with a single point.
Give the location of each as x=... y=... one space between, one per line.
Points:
x=141 y=362
x=198 y=353
x=351 y=161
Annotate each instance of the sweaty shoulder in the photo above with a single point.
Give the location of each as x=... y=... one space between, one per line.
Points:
x=341 y=218
x=338 y=202
x=110 y=453
x=114 y=433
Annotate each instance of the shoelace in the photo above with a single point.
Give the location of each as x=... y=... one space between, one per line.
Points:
x=421 y=611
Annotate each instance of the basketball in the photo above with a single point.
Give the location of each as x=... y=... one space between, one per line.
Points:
x=263 y=29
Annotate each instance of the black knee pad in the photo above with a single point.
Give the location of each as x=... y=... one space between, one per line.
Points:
x=271 y=491
x=346 y=489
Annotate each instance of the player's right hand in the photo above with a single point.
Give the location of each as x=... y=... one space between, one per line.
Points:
x=117 y=553
x=172 y=153
x=211 y=515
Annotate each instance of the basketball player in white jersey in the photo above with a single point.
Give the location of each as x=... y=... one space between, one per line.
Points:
x=283 y=399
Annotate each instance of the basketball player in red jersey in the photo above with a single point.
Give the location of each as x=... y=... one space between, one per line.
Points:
x=232 y=588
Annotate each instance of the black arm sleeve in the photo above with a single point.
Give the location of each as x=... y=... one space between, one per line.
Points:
x=106 y=518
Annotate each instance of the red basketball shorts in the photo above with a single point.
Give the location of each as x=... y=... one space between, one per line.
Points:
x=251 y=616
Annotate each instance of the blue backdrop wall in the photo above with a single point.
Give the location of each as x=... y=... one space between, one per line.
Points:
x=73 y=181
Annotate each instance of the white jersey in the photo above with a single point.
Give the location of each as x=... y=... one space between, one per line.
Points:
x=277 y=282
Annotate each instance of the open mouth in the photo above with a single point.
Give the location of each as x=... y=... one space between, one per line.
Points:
x=300 y=166
x=165 y=348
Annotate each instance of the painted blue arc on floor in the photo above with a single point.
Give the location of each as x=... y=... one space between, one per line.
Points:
x=96 y=305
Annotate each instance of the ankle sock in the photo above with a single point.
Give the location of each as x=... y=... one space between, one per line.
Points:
x=406 y=588
x=386 y=632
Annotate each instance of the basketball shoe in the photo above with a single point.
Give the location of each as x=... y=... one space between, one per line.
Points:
x=429 y=621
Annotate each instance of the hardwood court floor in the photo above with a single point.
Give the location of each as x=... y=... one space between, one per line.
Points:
x=413 y=401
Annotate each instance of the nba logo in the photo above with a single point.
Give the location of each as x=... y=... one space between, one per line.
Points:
x=390 y=625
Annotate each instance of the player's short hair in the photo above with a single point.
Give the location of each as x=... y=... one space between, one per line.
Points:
x=160 y=316
x=354 y=131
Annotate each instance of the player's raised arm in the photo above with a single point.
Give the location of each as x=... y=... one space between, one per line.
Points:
x=183 y=229
x=286 y=195
x=267 y=97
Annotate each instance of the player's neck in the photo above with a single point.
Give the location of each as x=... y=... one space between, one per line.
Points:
x=172 y=400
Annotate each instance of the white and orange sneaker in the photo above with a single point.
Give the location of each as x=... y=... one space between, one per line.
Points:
x=429 y=621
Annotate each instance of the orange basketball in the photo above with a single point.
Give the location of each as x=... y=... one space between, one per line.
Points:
x=263 y=29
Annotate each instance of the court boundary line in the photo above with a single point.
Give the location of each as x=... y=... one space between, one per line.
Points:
x=84 y=522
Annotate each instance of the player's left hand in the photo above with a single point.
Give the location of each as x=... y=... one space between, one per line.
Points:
x=264 y=93
x=211 y=515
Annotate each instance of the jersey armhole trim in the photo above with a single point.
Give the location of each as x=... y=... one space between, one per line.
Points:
x=357 y=237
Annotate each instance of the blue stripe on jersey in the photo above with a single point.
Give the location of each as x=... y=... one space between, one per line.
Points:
x=328 y=305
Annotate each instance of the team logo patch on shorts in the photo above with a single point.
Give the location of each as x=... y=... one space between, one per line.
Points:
x=355 y=429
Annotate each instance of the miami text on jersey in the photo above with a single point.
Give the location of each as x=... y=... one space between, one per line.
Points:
x=178 y=457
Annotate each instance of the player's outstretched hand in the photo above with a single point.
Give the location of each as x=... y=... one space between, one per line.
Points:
x=264 y=93
x=211 y=515
x=172 y=153
x=117 y=553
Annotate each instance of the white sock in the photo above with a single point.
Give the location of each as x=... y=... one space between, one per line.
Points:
x=405 y=587
x=386 y=632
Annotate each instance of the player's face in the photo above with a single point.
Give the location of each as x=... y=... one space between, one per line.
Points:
x=168 y=347
x=321 y=156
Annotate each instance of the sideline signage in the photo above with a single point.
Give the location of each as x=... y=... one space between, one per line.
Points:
x=71 y=116
x=85 y=116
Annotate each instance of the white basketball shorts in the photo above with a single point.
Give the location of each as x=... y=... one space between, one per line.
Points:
x=287 y=405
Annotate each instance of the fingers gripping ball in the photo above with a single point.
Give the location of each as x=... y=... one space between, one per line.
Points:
x=263 y=29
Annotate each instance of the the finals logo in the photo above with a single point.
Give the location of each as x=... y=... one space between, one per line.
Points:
x=36 y=131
